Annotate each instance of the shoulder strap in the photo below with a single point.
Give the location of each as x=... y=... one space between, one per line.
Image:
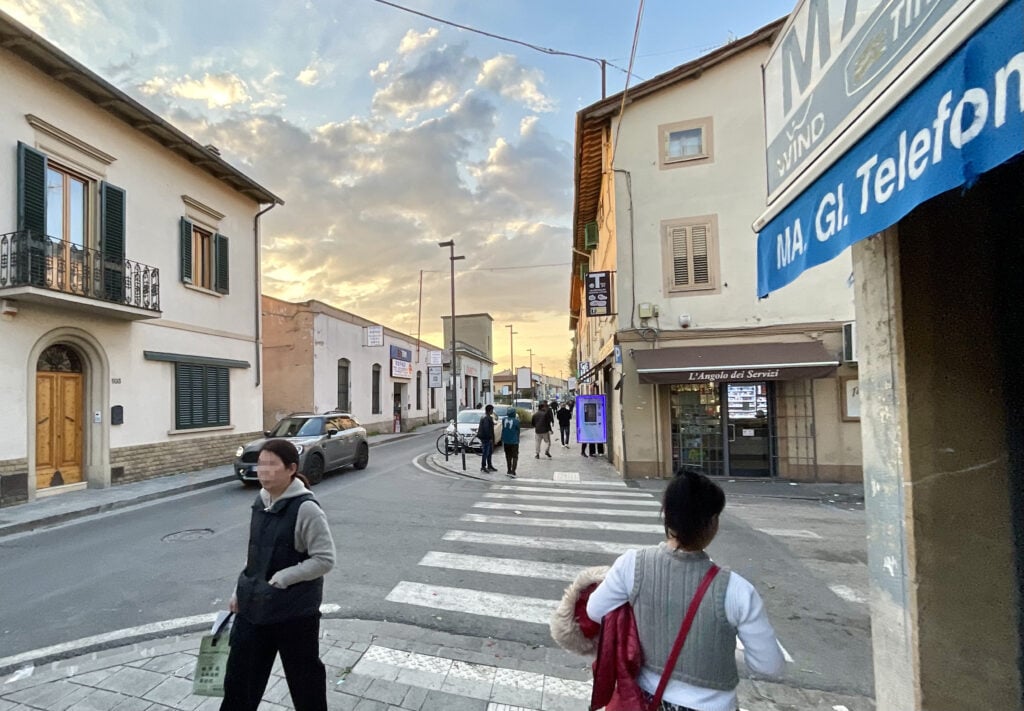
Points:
x=684 y=630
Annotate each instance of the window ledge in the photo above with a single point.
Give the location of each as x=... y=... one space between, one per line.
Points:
x=203 y=290
x=192 y=430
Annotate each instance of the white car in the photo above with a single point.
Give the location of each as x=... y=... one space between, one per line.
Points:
x=467 y=423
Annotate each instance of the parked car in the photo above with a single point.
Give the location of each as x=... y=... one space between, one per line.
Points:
x=325 y=442
x=467 y=423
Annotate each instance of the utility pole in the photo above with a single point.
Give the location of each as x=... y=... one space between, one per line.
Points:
x=453 y=398
x=533 y=390
x=512 y=361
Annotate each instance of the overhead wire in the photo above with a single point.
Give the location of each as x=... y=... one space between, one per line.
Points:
x=625 y=89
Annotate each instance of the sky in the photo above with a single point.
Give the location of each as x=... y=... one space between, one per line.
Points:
x=385 y=133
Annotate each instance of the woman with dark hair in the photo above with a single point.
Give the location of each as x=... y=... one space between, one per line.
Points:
x=664 y=581
x=278 y=595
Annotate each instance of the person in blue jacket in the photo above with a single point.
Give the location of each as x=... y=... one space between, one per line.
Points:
x=510 y=441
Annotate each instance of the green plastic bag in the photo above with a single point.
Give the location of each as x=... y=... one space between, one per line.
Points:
x=212 y=664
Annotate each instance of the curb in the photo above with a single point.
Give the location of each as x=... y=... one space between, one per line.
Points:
x=53 y=519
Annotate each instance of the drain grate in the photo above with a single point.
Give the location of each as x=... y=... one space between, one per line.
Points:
x=190 y=534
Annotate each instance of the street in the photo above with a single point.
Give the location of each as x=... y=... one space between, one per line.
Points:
x=470 y=557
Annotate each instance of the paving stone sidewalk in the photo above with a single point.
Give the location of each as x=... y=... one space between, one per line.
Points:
x=371 y=666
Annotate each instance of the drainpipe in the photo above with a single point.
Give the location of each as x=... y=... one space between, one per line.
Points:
x=256 y=284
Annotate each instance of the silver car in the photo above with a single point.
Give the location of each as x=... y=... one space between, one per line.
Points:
x=325 y=442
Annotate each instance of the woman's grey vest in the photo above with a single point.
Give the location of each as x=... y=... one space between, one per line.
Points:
x=272 y=548
x=664 y=583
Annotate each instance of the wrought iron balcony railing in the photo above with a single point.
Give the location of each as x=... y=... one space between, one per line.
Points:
x=31 y=259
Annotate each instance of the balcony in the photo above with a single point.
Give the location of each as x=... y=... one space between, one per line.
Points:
x=38 y=269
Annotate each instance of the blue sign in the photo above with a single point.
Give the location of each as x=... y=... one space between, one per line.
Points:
x=965 y=119
x=591 y=425
x=401 y=354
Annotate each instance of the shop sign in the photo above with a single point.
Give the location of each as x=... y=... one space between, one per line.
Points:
x=434 y=358
x=583 y=367
x=599 y=294
x=524 y=381
x=591 y=425
x=833 y=59
x=401 y=353
x=434 y=378
x=965 y=119
x=401 y=368
x=374 y=335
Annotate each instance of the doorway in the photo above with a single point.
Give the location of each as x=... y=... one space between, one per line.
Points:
x=748 y=434
x=59 y=417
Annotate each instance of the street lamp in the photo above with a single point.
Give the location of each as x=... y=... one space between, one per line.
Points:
x=453 y=398
x=512 y=361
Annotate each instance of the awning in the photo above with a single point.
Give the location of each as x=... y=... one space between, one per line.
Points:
x=735 y=363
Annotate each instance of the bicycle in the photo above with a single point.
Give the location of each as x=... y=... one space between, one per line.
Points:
x=449 y=443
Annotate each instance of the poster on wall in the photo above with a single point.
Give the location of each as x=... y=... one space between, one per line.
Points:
x=590 y=419
x=434 y=358
x=374 y=335
x=401 y=368
x=434 y=378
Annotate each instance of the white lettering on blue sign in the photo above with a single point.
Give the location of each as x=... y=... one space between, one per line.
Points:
x=965 y=119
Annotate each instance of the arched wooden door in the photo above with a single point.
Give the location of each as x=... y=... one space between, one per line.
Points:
x=59 y=417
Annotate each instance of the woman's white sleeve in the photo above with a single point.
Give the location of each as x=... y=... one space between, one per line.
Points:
x=745 y=611
x=615 y=589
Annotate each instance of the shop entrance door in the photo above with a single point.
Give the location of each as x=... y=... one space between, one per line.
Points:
x=748 y=435
x=697 y=428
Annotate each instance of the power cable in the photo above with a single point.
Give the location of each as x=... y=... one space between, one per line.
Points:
x=625 y=89
x=546 y=50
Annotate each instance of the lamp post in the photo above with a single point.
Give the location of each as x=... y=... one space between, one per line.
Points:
x=512 y=361
x=453 y=398
x=533 y=390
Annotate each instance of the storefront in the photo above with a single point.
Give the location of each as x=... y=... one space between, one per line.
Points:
x=741 y=410
x=913 y=161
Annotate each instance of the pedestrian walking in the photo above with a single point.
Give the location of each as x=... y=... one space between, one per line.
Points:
x=278 y=594
x=564 y=416
x=542 y=422
x=510 y=441
x=485 y=433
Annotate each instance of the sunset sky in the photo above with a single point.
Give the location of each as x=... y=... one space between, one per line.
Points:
x=385 y=132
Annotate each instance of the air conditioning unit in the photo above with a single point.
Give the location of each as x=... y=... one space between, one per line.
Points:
x=850 y=342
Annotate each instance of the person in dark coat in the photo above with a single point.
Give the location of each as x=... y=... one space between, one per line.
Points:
x=277 y=599
x=485 y=433
x=542 y=425
x=564 y=416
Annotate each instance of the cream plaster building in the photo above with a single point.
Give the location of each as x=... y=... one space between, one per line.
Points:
x=696 y=370
x=129 y=285
x=319 y=358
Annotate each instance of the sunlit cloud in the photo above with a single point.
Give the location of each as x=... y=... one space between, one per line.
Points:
x=503 y=74
x=416 y=40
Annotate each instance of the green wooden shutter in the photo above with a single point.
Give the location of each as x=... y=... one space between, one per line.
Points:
x=584 y=270
x=182 y=395
x=185 y=237
x=223 y=388
x=220 y=263
x=31 y=190
x=590 y=235
x=112 y=214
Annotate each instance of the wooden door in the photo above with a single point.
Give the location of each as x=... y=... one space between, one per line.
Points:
x=58 y=429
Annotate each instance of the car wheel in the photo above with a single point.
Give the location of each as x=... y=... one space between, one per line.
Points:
x=315 y=469
x=362 y=457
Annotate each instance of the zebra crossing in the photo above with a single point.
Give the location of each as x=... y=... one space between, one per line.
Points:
x=523 y=542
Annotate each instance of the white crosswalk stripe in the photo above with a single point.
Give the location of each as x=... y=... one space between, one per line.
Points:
x=573 y=499
x=542 y=543
x=576 y=492
x=564 y=523
x=563 y=509
x=555 y=484
x=474 y=602
x=502 y=566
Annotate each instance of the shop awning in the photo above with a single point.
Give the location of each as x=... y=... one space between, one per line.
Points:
x=735 y=363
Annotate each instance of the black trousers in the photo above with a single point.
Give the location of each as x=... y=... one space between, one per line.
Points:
x=253 y=649
x=564 y=429
x=511 y=457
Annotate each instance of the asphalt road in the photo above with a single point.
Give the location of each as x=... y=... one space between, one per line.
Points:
x=180 y=556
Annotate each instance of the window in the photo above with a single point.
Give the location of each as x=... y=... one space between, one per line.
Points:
x=204 y=257
x=685 y=143
x=202 y=396
x=419 y=390
x=343 y=398
x=690 y=254
x=375 y=383
x=57 y=209
x=433 y=398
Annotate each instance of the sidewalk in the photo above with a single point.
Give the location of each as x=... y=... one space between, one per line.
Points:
x=51 y=510
x=371 y=665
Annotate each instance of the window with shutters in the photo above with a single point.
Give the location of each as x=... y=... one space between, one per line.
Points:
x=344 y=403
x=375 y=390
x=204 y=257
x=690 y=254
x=202 y=396
x=685 y=143
x=419 y=390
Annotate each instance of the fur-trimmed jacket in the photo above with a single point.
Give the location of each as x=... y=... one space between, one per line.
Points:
x=614 y=641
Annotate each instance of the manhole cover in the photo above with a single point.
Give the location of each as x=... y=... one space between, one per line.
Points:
x=191 y=534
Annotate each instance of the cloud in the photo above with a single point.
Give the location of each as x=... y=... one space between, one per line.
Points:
x=413 y=40
x=220 y=90
x=435 y=79
x=314 y=72
x=503 y=74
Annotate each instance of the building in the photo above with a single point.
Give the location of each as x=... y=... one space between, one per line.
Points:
x=474 y=352
x=668 y=326
x=130 y=305
x=915 y=164
x=320 y=358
